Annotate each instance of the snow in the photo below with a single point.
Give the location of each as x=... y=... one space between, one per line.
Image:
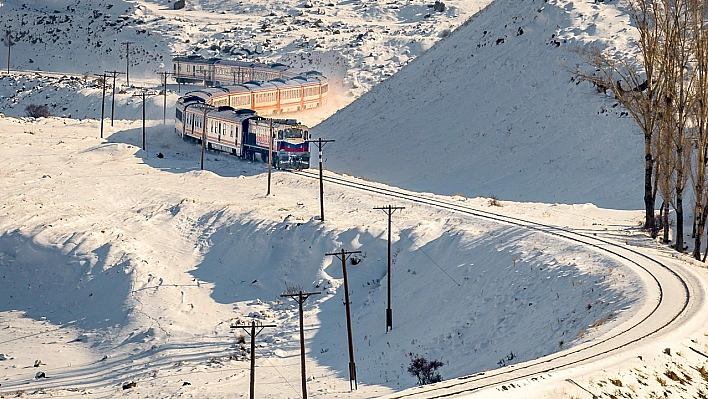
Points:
x=120 y=266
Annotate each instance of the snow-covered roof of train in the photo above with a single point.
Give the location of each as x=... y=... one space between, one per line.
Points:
x=275 y=66
x=233 y=115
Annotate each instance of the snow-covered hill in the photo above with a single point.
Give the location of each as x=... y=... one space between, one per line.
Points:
x=495 y=110
x=118 y=265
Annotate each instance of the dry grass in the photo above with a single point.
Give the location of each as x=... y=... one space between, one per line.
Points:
x=601 y=321
x=670 y=374
x=494 y=201
x=617 y=383
x=703 y=372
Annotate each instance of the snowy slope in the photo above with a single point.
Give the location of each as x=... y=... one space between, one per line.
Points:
x=116 y=253
x=494 y=110
x=118 y=265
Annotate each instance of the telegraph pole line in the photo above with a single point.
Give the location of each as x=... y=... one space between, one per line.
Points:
x=113 y=95
x=253 y=333
x=301 y=297
x=389 y=313
x=103 y=99
x=164 y=94
x=127 y=61
x=343 y=256
x=320 y=144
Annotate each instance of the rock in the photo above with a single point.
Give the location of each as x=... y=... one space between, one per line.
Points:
x=130 y=384
x=4 y=356
x=40 y=374
x=38 y=363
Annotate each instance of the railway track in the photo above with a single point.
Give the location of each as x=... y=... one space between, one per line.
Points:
x=658 y=314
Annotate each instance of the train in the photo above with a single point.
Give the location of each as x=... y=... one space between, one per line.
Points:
x=237 y=95
x=266 y=89
x=244 y=133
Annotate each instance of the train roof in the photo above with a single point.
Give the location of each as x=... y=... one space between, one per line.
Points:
x=280 y=67
x=234 y=115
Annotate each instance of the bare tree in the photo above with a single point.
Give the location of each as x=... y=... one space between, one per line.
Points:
x=643 y=86
x=699 y=120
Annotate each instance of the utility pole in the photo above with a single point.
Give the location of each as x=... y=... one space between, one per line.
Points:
x=320 y=144
x=9 y=48
x=270 y=154
x=177 y=72
x=253 y=333
x=127 y=61
x=389 y=313
x=343 y=256
x=204 y=72
x=205 y=108
x=164 y=94
x=103 y=99
x=301 y=297
x=143 y=94
x=113 y=95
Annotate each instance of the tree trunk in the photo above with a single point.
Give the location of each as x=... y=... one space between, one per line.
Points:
x=665 y=221
x=679 y=220
x=649 y=199
x=700 y=228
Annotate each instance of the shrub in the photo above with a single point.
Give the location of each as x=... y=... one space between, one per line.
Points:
x=424 y=370
x=37 y=111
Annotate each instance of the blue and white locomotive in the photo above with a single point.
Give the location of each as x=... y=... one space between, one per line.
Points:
x=242 y=132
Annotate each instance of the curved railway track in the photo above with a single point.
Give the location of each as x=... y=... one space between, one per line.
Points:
x=657 y=315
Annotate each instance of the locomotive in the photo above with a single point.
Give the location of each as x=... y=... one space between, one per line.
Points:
x=242 y=132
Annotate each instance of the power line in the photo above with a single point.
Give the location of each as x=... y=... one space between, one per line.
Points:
x=428 y=256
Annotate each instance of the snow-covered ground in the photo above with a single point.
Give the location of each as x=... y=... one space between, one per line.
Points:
x=118 y=265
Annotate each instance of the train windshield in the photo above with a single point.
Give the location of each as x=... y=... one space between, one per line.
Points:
x=293 y=133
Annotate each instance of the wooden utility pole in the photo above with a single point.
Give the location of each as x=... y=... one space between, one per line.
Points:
x=389 y=313
x=143 y=94
x=270 y=154
x=103 y=100
x=127 y=61
x=178 y=72
x=343 y=256
x=144 y=145
x=205 y=108
x=301 y=297
x=253 y=333
x=164 y=95
x=184 y=118
x=9 y=48
x=113 y=95
x=320 y=144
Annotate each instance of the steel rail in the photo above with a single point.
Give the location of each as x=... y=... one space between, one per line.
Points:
x=468 y=384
